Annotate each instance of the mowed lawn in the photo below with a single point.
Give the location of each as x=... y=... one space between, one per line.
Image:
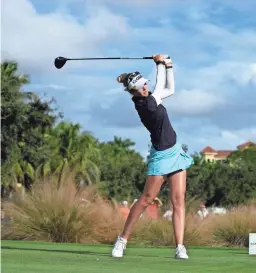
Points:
x=32 y=257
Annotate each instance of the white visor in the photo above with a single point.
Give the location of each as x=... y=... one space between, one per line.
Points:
x=137 y=83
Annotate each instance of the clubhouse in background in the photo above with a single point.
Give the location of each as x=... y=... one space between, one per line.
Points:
x=210 y=154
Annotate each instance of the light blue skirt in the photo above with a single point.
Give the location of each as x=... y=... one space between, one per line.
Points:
x=168 y=161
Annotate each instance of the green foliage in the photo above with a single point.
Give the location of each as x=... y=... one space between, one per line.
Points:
x=123 y=171
x=224 y=183
x=72 y=151
x=241 y=158
x=25 y=117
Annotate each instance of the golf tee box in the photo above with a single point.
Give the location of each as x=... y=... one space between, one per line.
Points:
x=252 y=243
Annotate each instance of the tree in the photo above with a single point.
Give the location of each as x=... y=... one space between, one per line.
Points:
x=123 y=171
x=222 y=183
x=13 y=114
x=88 y=156
x=185 y=147
x=231 y=185
x=13 y=108
x=243 y=157
x=73 y=151
x=25 y=118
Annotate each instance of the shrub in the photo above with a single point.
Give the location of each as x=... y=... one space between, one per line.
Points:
x=61 y=215
x=234 y=228
x=148 y=232
x=156 y=233
x=71 y=215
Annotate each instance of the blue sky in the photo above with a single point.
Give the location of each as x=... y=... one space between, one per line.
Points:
x=212 y=45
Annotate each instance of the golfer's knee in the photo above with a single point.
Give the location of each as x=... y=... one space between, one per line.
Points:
x=146 y=199
x=178 y=201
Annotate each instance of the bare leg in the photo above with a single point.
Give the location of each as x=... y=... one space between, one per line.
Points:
x=151 y=190
x=177 y=186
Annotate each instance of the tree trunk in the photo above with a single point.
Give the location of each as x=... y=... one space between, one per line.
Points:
x=60 y=175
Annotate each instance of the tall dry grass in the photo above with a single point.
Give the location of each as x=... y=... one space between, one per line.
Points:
x=69 y=215
x=64 y=215
x=234 y=228
x=160 y=233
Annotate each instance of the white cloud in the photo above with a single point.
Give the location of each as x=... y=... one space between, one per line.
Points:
x=216 y=76
x=51 y=86
x=239 y=136
x=223 y=139
x=129 y=3
x=250 y=75
x=193 y=102
x=216 y=138
x=36 y=39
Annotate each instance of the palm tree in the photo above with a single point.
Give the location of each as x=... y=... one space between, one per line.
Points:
x=185 y=147
x=120 y=145
x=86 y=161
x=45 y=169
x=11 y=82
x=67 y=136
x=73 y=151
x=10 y=77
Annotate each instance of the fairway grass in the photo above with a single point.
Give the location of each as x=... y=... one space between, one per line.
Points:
x=33 y=257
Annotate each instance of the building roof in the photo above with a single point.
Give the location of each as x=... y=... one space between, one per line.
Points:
x=245 y=144
x=223 y=153
x=208 y=150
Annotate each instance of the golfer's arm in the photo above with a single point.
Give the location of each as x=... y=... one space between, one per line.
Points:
x=170 y=80
x=169 y=88
x=160 y=83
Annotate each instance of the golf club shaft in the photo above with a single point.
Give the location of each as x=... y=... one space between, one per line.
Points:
x=111 y=58
x=60 y=61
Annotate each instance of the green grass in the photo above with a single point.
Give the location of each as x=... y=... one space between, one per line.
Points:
x=31 y=257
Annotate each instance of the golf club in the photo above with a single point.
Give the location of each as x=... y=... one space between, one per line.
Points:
x=60 y=61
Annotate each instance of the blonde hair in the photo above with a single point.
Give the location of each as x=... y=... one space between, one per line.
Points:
x=123 y=78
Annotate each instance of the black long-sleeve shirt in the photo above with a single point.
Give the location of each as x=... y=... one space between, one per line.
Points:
x=153 y=114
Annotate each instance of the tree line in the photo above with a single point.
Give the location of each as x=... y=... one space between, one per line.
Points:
x=37 y=144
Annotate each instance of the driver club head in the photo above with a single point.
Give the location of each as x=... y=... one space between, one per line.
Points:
x=60 y=62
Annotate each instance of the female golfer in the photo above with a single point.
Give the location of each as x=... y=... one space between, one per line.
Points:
x=167 y=157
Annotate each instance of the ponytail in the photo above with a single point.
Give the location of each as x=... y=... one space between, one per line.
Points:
x=123 y=78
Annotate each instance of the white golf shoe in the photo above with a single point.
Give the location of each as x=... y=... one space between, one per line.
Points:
x=181 y=252
x=119 y=247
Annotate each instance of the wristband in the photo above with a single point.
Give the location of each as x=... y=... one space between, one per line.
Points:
x=160 y=62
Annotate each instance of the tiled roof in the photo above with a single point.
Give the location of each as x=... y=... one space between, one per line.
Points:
x=245 y=144
x=207 y=150
x=223 y=153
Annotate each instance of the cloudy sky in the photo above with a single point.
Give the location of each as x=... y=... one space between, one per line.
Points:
x=212 y=45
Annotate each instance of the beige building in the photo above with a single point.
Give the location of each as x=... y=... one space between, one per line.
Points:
x=213 y=155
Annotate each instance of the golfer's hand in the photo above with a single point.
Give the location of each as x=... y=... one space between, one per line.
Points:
x=159 y=58
x=168 y=63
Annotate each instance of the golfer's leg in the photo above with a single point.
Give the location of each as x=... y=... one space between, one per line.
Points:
x=151 y=190
x=177 y=186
